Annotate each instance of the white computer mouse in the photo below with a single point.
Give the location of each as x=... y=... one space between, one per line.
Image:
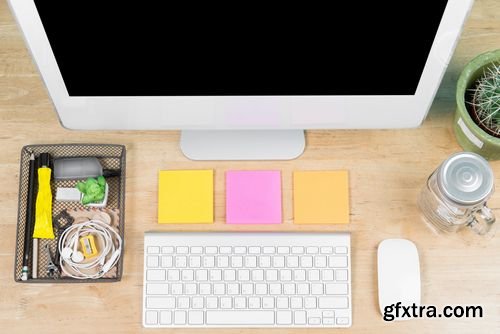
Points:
x=398 y=273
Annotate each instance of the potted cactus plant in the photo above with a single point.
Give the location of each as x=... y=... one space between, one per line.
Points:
x=477 y=120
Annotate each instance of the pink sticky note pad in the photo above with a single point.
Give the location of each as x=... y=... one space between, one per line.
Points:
x=253 y=197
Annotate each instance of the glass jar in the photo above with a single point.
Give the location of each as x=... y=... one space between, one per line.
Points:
x=455 y=195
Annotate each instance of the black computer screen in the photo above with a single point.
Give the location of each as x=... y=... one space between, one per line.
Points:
x=241 y=48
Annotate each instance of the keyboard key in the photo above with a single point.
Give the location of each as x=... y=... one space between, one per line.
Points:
x=299 y=317
x=195 y=262
x=233 y=289
x=250 y=261
x=282 y=302
x=151 y=317
x=197 y=302
x=243 y=275
x=152 y=261
x=275 y=289
x=157 y=289
x=289 y=289
x=341 y=275
x=173 y=275
x=187 y=275
x=296 y=302
x=328 y=314
x=342 y=321
x=197 y=250
x=261 y=289
x=180 y=262
x=212 y=303
x=303 y=288
x=240 y=250
x=247 y=289
x=292 y=261
x=240 y=302
x=326 y=250
x=313 y=275
x=190 y=289
x=328 y=321
x=160 y=302
x=155 y=275
x=337 y=261
x=195 y=317
x=167 y=261
x=229 y=275
x=268 y=302
x=201 y=275
x=226 y=302
x=317 y=289
x=306 y=261
x=341 y=250
x=272 y=275
x=283 y=250
x=183 y=302
x=299 y=275
x=258 y=275
x=320 y=261
x=215 y=275
x=240 y=318
x=211 y=250
x=208 y=261
x=336 y=289
x=254 y=302
x=176 y=288
x=182 y=250
x=167 y=250
x=297 y=250
x=310 y=302
x=278 y=261
x=153 y=250
x=286 y=275
x=333 y=302
x=284 y=317
x=312 y=250
x=180 y=317
x=254 y=250
x=265 y=262
x=205 y=289
x=219 y=289
x=222 y=261
x=225 y=250
x=327 y=275
x=314 y=321
x=165 y=317
x=237 y=262
x=268 y=250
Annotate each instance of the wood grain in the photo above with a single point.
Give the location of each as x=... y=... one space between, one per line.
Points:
x=387 y=169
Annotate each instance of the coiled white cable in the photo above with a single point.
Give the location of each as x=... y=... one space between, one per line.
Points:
x=68 y=243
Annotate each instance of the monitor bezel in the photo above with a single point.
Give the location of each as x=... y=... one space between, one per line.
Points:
x=243 y=112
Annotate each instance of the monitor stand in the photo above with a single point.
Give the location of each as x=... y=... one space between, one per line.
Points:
x=242 y=144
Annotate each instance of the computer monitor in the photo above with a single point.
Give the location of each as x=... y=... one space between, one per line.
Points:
x=242 y=79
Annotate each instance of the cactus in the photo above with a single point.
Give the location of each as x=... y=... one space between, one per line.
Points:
x=486 y=100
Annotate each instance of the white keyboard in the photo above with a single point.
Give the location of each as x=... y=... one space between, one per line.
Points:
x=271 y=279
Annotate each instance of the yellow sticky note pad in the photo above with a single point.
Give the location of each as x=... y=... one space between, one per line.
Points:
x=321 y=197
x=186 y=196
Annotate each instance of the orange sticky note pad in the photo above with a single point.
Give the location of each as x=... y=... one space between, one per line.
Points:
x=321 y=197
x=186 y=196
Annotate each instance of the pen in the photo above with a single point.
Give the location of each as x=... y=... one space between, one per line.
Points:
x=29 y=216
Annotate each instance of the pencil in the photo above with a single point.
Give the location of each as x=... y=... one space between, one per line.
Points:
x=29 y=217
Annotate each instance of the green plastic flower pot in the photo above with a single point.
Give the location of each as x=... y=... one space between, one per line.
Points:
x=469 y=135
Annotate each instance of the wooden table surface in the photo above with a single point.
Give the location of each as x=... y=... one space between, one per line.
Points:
x=387 y=168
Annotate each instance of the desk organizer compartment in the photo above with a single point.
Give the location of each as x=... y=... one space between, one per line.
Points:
x=111 y=157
